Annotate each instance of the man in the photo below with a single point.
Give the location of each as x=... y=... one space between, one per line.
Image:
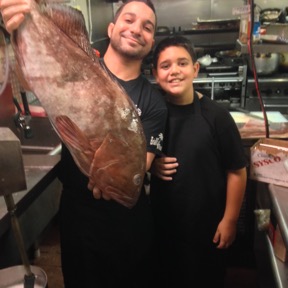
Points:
x=104 y=244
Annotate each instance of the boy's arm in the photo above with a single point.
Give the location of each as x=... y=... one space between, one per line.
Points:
x=236 y=185
x=164 y=167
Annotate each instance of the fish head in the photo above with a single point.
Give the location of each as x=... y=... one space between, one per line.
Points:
x=118 y=169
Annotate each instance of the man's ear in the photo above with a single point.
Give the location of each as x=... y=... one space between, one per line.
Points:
x=110 y=29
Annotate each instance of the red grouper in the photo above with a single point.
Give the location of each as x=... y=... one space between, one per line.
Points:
x=89 y=110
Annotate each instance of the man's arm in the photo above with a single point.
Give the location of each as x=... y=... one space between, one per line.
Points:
x=149 y=159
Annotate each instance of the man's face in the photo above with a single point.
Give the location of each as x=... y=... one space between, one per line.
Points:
x=133 y=33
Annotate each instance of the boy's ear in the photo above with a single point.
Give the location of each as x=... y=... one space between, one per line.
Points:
x=196 y=68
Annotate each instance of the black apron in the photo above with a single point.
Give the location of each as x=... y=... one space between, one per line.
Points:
x=188 y=209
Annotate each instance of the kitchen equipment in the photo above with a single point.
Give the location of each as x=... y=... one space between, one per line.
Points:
x=224 y=81
x=12 y=180
x=214 y=24
x=272 y=15
x=274 y=92
x=206 y=60
x=283 y=63
x=273 y=39
x=277 y=29
x=12 y=277
x=229 y=57
x=265 y=63
x=162 y=30
x=228 y=53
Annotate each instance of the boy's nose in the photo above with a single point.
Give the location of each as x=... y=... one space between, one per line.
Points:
x=175 y=69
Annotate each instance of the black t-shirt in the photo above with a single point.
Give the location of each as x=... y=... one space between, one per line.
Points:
x=151 y=108
x=104 y=243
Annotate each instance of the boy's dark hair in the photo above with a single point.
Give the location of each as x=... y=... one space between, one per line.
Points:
x=178 y=41
x=147 y=2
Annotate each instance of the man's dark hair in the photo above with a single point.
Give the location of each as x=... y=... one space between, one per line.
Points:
x=176 y=41
x=147 y=2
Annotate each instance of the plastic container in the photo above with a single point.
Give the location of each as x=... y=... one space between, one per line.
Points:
x=256 y=26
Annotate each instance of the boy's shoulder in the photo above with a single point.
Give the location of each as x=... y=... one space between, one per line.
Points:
x=209 y=104
x=214 y=111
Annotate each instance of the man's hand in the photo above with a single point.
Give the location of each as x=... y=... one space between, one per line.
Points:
x=13 y=12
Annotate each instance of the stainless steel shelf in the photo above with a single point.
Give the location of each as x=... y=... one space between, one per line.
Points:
x=262 y=48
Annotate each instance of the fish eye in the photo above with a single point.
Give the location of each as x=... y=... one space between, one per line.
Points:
x=137 y=179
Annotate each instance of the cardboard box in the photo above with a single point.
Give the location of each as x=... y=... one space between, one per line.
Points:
x=269 y=161
x=280 y=250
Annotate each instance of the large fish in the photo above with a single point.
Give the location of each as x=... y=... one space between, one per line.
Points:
x=92 y=114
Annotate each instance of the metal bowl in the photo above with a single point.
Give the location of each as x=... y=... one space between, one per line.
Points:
x=265 y=63
x=13 y=277
x=284 y=61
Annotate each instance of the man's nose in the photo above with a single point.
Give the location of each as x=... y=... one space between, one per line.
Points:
x=136 y=28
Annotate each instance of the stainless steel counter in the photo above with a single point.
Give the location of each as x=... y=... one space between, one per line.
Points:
x=272 y=271
x=36 y=205
x=279 y=197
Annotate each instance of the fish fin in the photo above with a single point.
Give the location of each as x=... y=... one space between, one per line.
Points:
x=71 y=133
x=77 y=142
x=112 y=173
x=122 y=199
x=71 y=22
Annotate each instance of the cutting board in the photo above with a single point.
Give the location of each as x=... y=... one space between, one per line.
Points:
x=273 y=116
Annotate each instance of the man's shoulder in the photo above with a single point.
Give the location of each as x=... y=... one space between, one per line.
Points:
x=155 y=93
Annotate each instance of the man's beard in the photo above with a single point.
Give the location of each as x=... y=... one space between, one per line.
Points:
x=136 y=54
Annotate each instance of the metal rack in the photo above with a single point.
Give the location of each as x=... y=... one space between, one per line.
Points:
x=262 y=48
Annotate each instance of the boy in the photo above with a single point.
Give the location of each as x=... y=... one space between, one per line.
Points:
x=200 y=184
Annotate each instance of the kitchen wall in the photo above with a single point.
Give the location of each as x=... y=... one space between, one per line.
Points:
x=185 y=12
x=171 y=13
x=98 y=14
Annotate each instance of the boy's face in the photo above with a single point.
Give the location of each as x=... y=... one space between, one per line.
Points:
x=175 y=73
x=133 y=33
